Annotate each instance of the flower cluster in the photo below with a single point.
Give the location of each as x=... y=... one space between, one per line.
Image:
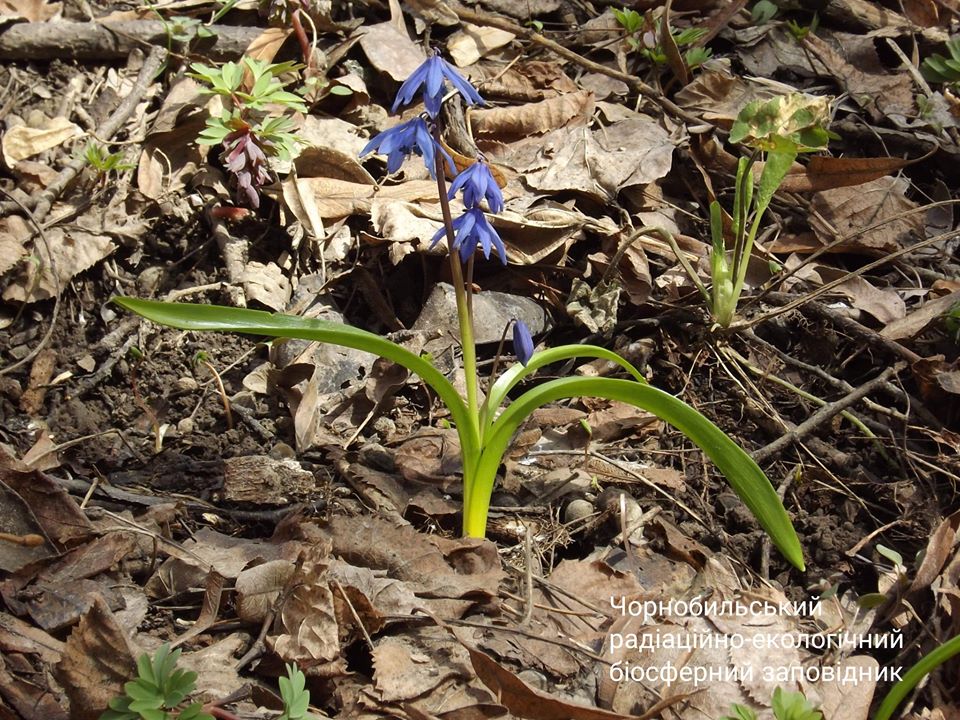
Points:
x=419 y=137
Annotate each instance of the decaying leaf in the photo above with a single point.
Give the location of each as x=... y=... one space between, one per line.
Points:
x=600 y=163
x=29 y=10
x=843 y=212
x=391 y=51
x=570 y=110
x=473 y=42
x=97 y=660
x=23 y=141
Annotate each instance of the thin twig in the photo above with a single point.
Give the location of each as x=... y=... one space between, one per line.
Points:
x=631 y=81
x=824 y=414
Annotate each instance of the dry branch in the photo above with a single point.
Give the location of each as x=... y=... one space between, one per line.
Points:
x=62 y=40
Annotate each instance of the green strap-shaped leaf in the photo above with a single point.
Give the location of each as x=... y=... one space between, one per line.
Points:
x=187 y=316
x=509 y=379
x=743 y=474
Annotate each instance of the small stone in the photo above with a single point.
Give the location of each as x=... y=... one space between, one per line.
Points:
x=385 y=427
x=577 y=510
x=187 y=384
x=534 y=679
x=87 y=363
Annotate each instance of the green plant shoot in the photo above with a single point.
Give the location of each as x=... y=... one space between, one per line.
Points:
x=777 y=131
x=295 y=696
x=158 y=691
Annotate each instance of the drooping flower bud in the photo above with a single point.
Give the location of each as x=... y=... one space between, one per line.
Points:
x=522 y=341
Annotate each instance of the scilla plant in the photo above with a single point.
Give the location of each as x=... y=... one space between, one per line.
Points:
x=484 y=427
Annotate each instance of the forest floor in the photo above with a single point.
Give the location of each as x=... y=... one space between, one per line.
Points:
x=256 y=503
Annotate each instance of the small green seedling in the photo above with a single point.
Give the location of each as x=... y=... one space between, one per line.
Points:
x=786 y=706
x=940 y=69
x=104 y=162
x=776 y=130
x=158 y=691
x=642 y=35
x=763 y=12
x=295 y=696
x=952 y=322
x=800 y=32
x=256 y=123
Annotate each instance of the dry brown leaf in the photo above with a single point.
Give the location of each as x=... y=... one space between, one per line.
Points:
x=842 y=212
x=267 y=284
x=826 y=173
x=215 y=666
x=473 y=42
x=912 y=324
x=337 y=199
x=883 y=94
x=97 y=660
x=390 y=51
x=14 y=234
x=57 y=512
x=73 y=251
x=306 y=630
x=517 y=121
x=922 y=12
x=634 y=151
x=257 y=588
x=406 y=225
x=22 y=142
x=449 y=576
x=29 y=10
x=850 y=701
x=266 y=45
x=526 y=702
x=404 y=670
x=18 y=520
x=524 y=82
x=436 y=12
x=208 y=550
x=169 y=159
x=940 y=547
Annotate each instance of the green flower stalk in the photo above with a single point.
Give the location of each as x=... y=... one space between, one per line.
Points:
x=486 y=428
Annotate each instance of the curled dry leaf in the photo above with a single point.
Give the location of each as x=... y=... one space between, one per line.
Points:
x=22 y=142
x=97 y=660
x=390 y=51
x=473 y=42
x=517 y=121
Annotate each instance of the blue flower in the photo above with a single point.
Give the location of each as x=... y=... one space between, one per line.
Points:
x=522 y=341
x=399 y=141
x=478 y=183
x=431 y=75
x=472 y=229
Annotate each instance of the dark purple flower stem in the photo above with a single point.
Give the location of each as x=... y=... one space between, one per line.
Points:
x=301 y=38
x=462 y=290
